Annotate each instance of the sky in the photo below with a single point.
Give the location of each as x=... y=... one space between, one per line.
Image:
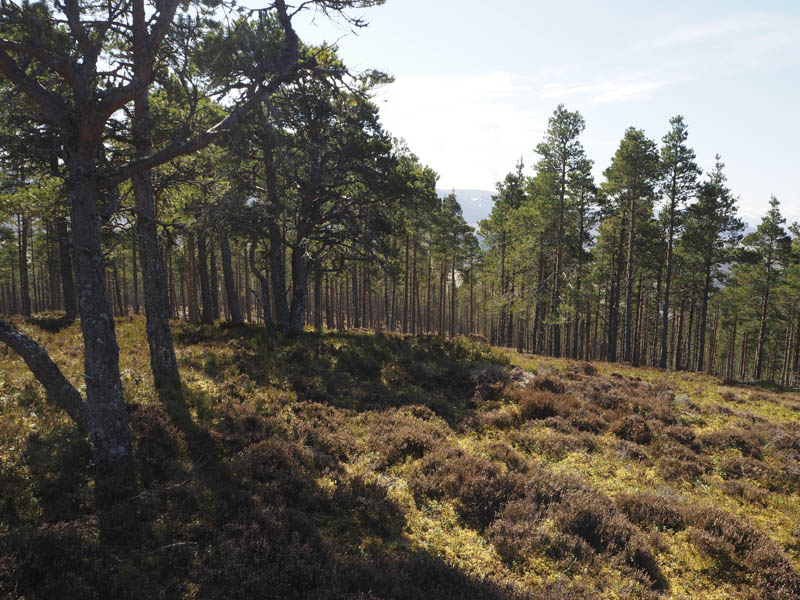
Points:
x=476 y=81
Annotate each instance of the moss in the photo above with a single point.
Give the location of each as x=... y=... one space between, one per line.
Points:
x=335 y=465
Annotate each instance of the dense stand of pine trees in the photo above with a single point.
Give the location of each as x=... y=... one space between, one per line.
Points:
x=553 y=270
x=305 y=213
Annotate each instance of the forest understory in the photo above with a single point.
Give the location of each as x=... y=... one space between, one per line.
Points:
x=363 y=465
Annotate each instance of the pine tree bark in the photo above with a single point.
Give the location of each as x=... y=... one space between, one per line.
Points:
x=297 y=315
x=231 y=293
x=265 y=302
x=58 y=388
x=205 y=287
x=627 y=329
x=24 y=285
x=701 y=344
x=318 y=298
x=214 y=282
x=67 y=273
x=106 y=417
x=135 y=276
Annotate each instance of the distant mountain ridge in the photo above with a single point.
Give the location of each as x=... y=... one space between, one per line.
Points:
x=476 y=204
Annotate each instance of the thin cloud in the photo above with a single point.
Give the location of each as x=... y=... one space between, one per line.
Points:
x=606 y=91
x=738 y=28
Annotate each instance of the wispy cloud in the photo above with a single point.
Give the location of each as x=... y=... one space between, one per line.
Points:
x=603 y=91
x=738 y=28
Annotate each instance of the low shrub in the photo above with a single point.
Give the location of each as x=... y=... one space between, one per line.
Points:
x=518 y=532
x=681 y=434
x=548 y=383
x=553 y=444
x=478 y=485
x=748 y=442
x=583 y=420
x=631 y=451
x=397 y=437
x=681 y=469
x=633 y=428
x=536 y=405
x=747 y=492
x=647 y=510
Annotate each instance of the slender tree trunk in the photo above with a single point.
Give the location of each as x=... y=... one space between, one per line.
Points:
x=230 y=283
x=163 y=363
x=667 y=285
x=503 y=290
x=191 y=278
x=25 y=295
x=762 y=327
x=297 y=316
x=135 y=275
x=627 y=331
x=406 y=283
x=265 y=303
x=214 y=282
x=67 y=274
x=701 y=346
x=414 y=289
x=677 y=340
x=453 y=298
x=205 y=287
x=318 y=298
x=355 y=312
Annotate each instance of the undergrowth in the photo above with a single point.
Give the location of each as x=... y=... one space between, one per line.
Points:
x=332 y=465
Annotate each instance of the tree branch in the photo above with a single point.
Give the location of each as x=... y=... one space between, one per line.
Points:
x=46 y=372
x=54 y=108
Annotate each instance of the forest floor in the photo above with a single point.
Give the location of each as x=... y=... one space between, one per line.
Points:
x=376 y=466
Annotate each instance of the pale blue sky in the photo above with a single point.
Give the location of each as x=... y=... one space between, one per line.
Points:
x=477 y=80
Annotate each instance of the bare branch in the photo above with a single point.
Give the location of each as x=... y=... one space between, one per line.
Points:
x=46 y=372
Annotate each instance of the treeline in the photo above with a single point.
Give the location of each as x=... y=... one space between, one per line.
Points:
x=305 y=213
x=650 y=267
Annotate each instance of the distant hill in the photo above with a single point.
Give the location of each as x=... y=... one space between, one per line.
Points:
x=476 y=204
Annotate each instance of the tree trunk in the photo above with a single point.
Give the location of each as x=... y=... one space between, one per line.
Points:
x=405 y=287
x=762 y=328
x=135 y=276
x=701 y=347
x=25 y=294
x=67 y=274
x=214 y=282
x=297 y=317
x=231 y=293
x=58 y=388
x=355 y=312
x=205 y=287
x=190 y=255
x=627 y=340
x=265 y=304
x=318 y=298
x=106 y=416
